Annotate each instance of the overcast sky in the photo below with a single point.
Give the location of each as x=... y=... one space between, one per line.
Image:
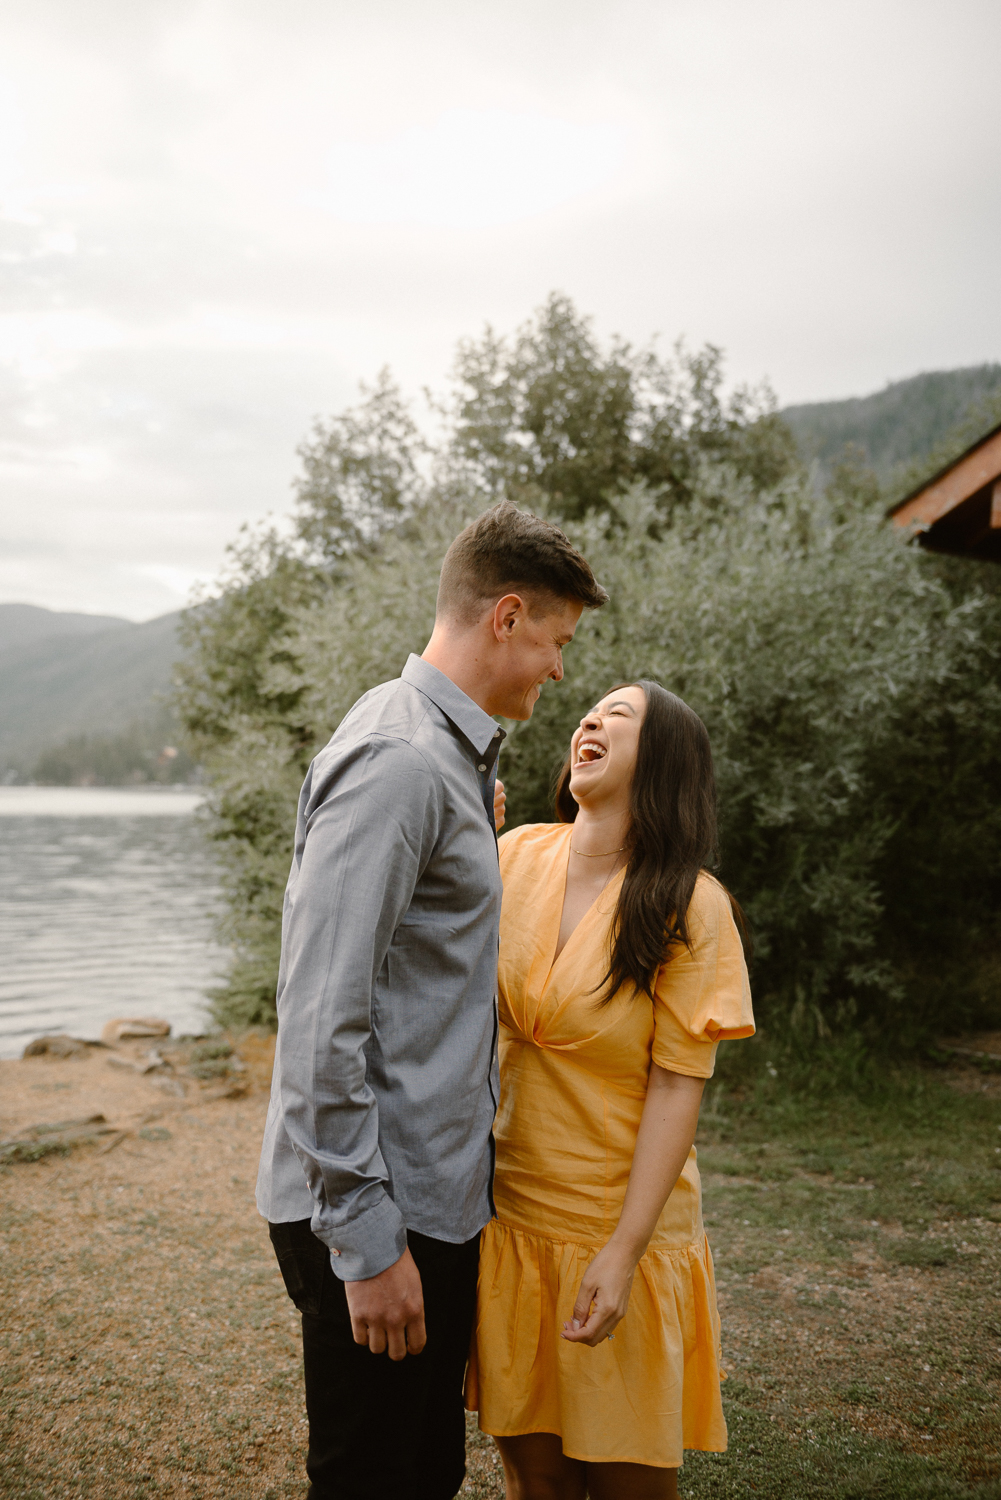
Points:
x=219 y=216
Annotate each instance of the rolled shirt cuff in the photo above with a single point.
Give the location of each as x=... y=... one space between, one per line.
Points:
x=368 y=1245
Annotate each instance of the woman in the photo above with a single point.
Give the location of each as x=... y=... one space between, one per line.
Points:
x=596 y=1354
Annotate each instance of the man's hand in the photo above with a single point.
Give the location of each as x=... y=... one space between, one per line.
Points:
x=387 y=1311
x=500 y=798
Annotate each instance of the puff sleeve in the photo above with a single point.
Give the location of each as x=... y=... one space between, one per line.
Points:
x=702 y=995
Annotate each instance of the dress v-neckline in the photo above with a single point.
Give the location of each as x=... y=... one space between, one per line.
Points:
x=559 y=905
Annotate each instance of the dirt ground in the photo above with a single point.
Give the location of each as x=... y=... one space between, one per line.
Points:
x=149 y=1349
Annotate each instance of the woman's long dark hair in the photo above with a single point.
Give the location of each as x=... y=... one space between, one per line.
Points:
x=673 y=836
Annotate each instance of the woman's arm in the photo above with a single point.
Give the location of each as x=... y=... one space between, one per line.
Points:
x=667 y=1129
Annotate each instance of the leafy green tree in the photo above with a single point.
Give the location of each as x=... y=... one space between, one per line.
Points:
x=848 y=681
x=249 y=719
x=819 y=651
x=361 y=473
x=548 y=417
x=255 y=744
x=538 y=420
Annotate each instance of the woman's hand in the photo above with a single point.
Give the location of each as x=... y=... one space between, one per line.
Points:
x=667 y=1130
x=603 y=1296
x=500 y=799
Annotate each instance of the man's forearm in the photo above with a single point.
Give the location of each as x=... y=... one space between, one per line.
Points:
x=355 y=881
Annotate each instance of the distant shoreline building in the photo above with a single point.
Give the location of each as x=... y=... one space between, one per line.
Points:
x=958 y=510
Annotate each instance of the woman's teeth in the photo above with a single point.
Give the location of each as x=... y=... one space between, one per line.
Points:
x=590 y=751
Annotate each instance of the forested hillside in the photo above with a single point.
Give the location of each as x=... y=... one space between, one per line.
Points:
x=85 y=697
x=895 y=428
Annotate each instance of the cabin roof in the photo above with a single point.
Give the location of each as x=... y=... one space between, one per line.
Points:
x=958 y=509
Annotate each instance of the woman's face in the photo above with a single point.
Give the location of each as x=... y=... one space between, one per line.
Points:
x=603 y=750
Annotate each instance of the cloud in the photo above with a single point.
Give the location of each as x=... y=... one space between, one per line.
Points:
x=217 y=215
x=470 y=169
x=181 y=582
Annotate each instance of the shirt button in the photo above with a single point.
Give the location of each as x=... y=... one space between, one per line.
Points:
x=335 y=1252
x=481 y=768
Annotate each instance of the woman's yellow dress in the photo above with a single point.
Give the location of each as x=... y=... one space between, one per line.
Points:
x=573 y=1084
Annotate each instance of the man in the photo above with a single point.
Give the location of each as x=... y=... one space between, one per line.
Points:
x=377 y=1160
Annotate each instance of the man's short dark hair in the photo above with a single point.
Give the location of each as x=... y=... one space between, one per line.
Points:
x=510 y=551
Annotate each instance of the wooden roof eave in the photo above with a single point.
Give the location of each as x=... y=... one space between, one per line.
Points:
x=951 y=485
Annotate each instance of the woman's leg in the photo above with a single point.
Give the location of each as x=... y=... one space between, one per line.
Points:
x=631 y=1482
x=536 y=1468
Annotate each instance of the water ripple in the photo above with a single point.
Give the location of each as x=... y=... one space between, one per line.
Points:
x=104 y=914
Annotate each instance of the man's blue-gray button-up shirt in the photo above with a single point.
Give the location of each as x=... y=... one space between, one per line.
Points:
x=385 y=1080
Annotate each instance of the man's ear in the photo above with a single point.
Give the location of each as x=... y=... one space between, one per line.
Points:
x=507 y=613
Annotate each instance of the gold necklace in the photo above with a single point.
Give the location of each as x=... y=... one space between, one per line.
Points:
x=607 y=855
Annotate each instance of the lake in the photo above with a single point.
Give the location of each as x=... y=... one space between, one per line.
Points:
x=107 y=900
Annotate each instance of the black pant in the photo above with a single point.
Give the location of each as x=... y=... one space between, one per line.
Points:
x=381 y=1429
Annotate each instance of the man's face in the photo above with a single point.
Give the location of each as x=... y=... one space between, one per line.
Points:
x=533 y=646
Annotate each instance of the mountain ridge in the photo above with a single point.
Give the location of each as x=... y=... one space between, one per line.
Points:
x=91 y=683
x=22 y=624
x=896 y=428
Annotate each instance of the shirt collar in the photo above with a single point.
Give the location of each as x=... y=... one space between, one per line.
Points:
x=478 y=727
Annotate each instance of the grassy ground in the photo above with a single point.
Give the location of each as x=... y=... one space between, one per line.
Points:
x=858 y=1254
x=148 y=1349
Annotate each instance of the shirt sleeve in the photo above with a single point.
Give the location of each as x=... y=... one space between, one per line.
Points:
x=702 y=995
x=367 y=825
